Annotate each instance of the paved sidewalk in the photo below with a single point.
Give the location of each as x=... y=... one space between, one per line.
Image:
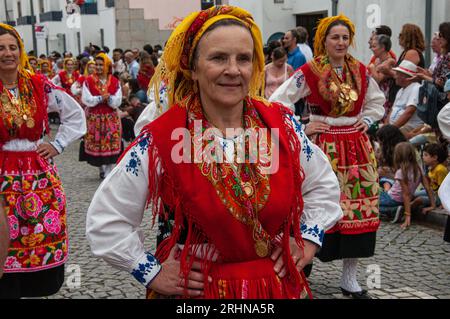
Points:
x=412 y=264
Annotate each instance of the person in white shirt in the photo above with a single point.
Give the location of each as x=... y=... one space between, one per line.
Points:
x=303 y=43
x=403 y=113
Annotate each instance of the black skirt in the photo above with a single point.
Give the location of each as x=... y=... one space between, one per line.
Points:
x=338 y=246
x=31 y=285
x=98 y=161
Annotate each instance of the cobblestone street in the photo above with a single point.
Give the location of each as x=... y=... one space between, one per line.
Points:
x=413 y=264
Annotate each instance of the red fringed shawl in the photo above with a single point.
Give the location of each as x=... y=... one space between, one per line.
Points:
x=208 y=217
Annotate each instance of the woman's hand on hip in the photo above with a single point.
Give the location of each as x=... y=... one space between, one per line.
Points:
x=300 y=259
x=316 y=128
x=47 y=151
x=169 y=281
x=361 y=126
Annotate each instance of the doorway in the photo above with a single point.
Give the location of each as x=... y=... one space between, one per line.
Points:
x=309 y=21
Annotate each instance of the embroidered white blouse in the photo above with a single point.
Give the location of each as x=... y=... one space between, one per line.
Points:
x=296 y=88
x=73 y=123
x=117 y=209
x=90 y=100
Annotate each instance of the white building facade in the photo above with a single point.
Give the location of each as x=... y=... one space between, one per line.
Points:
x=59 y=28
x=274 y=16
x=113 y=23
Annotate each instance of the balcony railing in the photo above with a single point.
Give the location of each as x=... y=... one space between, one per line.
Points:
x=89 y=8
x=25 y=20
x=51 y=16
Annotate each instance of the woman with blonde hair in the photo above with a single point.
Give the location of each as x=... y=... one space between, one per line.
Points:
x=68 y=76
x=228 y=228
x=344 y=101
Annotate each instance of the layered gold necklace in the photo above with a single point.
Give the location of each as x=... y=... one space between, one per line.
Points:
x=17 y=110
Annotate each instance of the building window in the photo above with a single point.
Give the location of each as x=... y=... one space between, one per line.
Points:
x=41 y=6
x=278 y=1
x=19 y=9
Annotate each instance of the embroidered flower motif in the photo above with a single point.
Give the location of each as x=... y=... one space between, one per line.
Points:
x=61 y=198
x=12 y=263
x=144 y=144
x=134 y=163
x=52 y=223
x=43 y=183
x=371 y=180
x=13 y=227
x=38 y=229
x=306 y=147
x=16 y=186
x=59 y=255
x=144 y=269
x=24 y=231
x=370 y=207
x=32 y=205
x=345 y=185
x=350 y=210
x=313 y=231
x=299 y=79
x=34 y=260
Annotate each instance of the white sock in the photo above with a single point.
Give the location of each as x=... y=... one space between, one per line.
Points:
x=108 y=169
x=102 y=168
x=349 y=280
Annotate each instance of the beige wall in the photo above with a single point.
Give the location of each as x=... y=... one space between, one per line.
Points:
x=167 y=12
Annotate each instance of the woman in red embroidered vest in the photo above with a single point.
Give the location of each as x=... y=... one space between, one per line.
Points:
x=229 y=221
x=68 y=76
x=30 y=186
x=77 y=87
x=102 y=95
x=344 y=101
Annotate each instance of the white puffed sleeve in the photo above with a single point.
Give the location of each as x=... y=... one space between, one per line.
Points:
x=291 y=91
x=115 y=100
x=373 y=107
x=152 y=111
x=57 y=81
x=72 y=116
x=76 y=89
x=320 y=189
x=88 y=99
x=116 y=212
x=444 y=121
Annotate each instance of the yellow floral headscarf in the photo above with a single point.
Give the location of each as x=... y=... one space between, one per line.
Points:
x=25 y=68
x=107 y=67
x=174 y=70
x=321 y=33
x=86 y=73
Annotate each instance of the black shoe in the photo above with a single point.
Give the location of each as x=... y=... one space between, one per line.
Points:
x=356 y=295
x=102 y=175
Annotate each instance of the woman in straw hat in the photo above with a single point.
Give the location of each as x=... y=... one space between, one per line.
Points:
x=31 y=189
x=344 y=101
x=102 y=96
x=225 y=225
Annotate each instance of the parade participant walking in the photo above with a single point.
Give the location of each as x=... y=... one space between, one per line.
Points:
x=102 y=96
x=68 y=76
x=344 y=102
x=35 y=203
x=229 y=236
